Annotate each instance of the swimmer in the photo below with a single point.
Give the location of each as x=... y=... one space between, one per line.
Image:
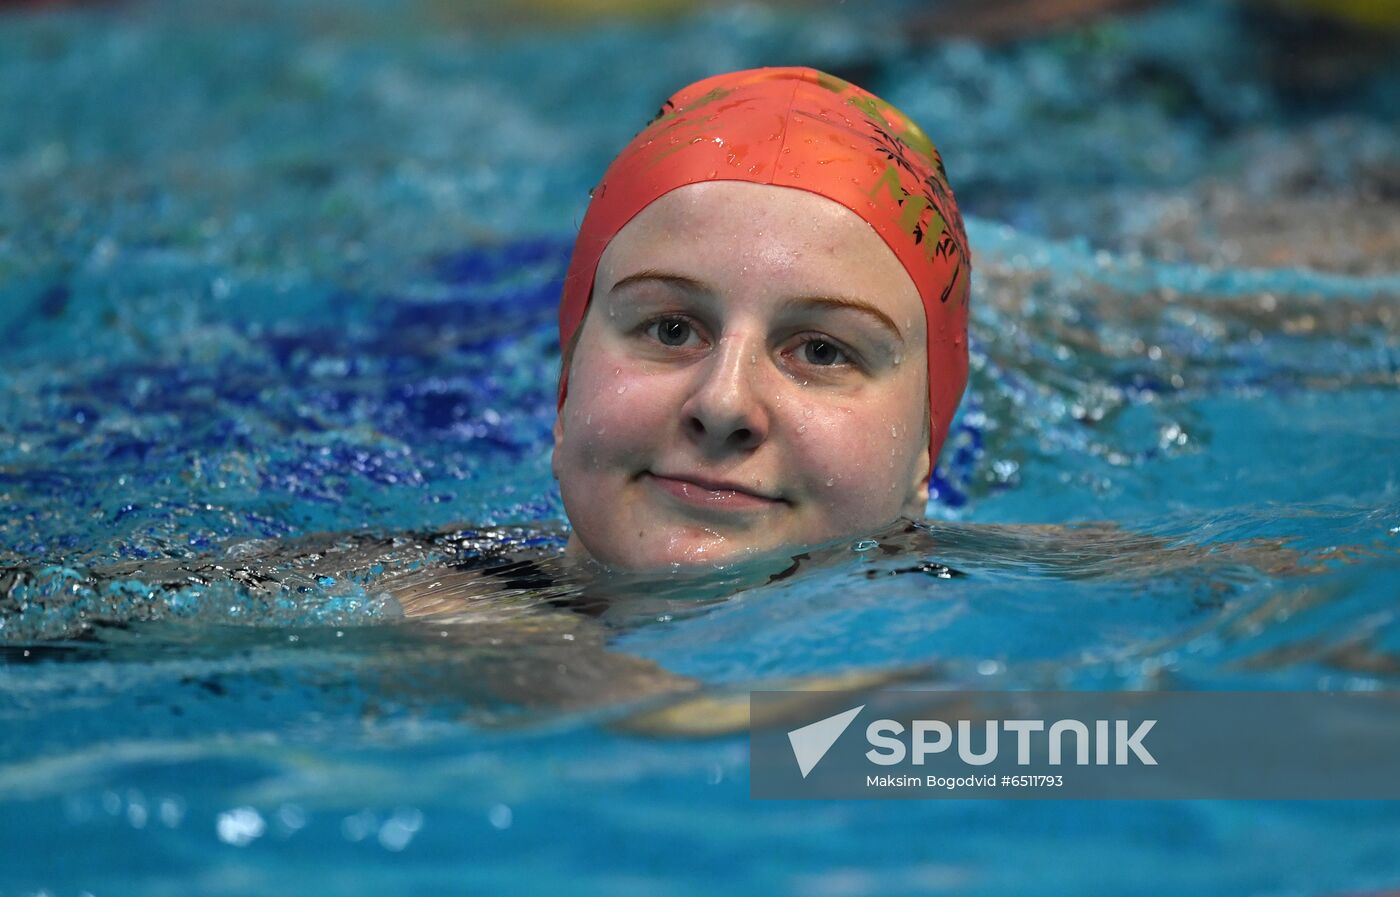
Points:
x=763 y=326
x=764 y=335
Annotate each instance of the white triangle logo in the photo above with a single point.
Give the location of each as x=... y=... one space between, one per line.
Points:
x=810 y=743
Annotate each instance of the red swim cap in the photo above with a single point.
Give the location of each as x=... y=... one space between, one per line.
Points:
x=800 y=128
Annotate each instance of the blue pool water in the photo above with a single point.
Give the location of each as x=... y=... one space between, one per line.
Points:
x=278 y=284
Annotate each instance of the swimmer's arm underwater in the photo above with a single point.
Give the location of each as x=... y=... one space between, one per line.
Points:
x=1097 y=550
x=518 y=649
x=547 y=659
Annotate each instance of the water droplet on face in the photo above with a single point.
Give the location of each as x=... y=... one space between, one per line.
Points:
x=753 y=359
x=894 y=431
x=802 y=428
x=831 y=481
x=622 y=389
x=588 y=421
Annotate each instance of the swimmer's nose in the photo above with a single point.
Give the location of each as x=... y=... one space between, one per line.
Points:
x=726 y=412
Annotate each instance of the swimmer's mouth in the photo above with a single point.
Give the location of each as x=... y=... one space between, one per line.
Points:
x=706 y=491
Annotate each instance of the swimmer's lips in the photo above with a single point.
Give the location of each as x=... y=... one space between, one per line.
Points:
x=712 y=495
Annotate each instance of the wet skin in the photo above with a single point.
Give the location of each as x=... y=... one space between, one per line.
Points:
x=750 y=379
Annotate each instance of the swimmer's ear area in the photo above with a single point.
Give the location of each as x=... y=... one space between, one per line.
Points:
x=917 y=502
x=558 y=441
x=566 y=362
x=915 y=506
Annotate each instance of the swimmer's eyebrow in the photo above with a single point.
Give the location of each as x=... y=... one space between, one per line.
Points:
x=680 y=281
x=842 y=302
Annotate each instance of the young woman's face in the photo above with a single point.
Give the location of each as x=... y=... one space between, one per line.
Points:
x=750 y=379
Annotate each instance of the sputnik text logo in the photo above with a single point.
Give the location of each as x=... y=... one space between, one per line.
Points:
x=1060 y=741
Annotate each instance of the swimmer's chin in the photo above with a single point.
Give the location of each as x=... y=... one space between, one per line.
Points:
x=678 y=558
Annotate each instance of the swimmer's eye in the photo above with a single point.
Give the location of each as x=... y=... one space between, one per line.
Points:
x=673 y=332
x=823 y=353
x=816 y=350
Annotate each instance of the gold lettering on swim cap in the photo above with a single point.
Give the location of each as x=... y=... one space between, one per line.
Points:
x=933 y=238
x=663 y=115
x=833 y=83
x=912 y=208
x=886 y=117
x=890 y=179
